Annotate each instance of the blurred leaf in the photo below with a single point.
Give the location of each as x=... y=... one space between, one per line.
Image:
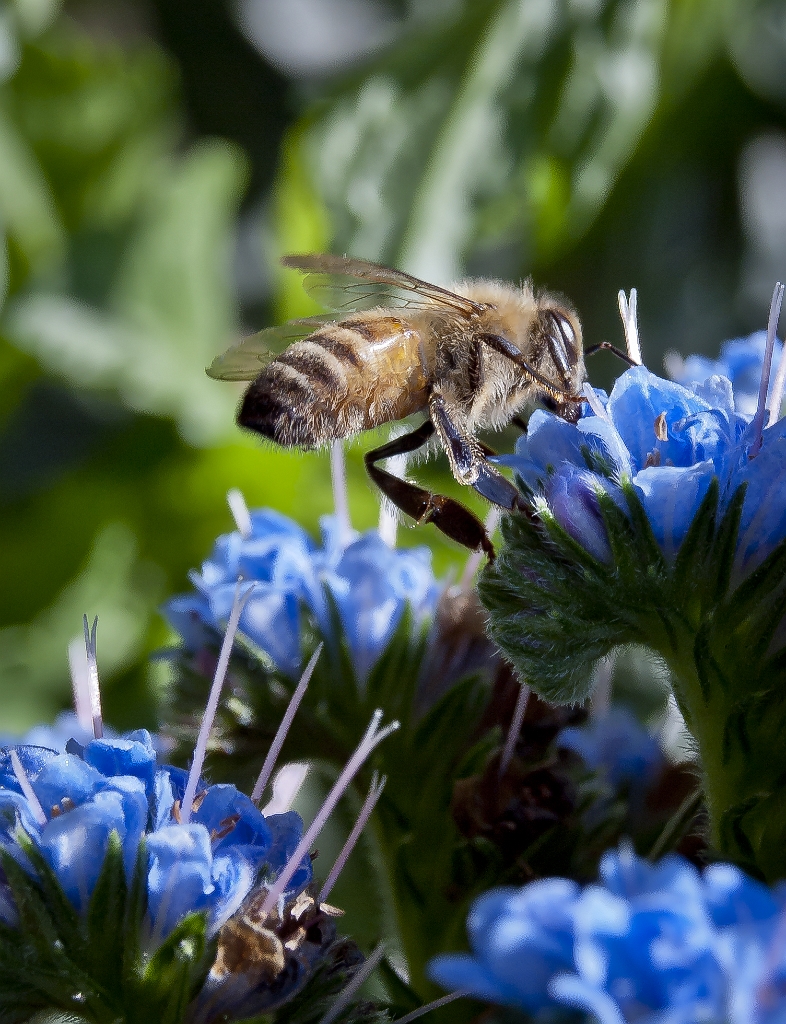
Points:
x=171 y=310
x=114 y=585
x=508 y=123
x=88 y=108
x=27 y=209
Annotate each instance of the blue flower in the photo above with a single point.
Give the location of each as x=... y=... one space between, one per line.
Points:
x=617 y=746
x=115 y=786
x=520 y=939
x=648 y=942
x=279 y=556
x=740 y=362
x=370 y=584
x=669 y=441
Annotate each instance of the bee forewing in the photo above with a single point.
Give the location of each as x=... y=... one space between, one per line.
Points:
x=344 y=294
x=246 y=360
x=341 y=283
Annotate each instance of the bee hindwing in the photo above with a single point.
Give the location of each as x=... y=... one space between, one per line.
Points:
x=247 y=360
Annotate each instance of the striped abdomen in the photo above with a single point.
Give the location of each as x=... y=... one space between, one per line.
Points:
x=345 y=378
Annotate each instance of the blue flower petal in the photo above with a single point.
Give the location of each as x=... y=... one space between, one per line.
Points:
x=455 y=971
x=572 y=496
x=617 y=746
x=671 y=498
x=132 y=754
x=287 y=831
x=75 y=843
x=637 y=401
x=233 y=820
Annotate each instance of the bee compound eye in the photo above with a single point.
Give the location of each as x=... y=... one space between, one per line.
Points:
x=562 y=342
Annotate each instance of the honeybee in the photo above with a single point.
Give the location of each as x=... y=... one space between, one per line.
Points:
x=471 y=358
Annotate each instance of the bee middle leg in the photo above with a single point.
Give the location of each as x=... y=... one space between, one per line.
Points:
x=468 y=459
x=449 y=516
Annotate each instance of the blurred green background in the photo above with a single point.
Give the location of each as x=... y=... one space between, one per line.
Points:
x=157 y=156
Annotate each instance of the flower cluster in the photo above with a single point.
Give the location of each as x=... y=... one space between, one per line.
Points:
x=76 y=800
x=649 y=942
x=368 y=583
x=669 y=441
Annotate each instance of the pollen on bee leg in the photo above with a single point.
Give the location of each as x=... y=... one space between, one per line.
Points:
x=628 y=311
x=239 y=509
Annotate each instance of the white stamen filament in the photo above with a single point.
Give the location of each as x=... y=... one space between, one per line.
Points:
x=433 y=1005
x=338 y=476
x=283 y=729
x=27 y=789
x=200 y=750
x=388 y=514
x=628 y=312
x=600 y=702
x=374 y=793
x=515 y=728
x=772 y=327
x=286 y=786
x=358 y=978
x=474 y=560
x=370 y=740
x=93 y=685
x=776 y=395
x=80 y=686
x=594 y=402
x=240 y=513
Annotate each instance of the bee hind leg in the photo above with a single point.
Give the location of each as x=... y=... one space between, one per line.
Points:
x=468 y=459
x=449 y=516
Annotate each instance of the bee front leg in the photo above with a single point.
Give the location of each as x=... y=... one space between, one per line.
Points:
x=449 y=516
x=467 y=459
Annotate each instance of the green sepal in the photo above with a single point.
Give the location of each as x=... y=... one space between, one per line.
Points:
x=38 y=969
x=96 y=966
x=174 y=973
x=105 y=941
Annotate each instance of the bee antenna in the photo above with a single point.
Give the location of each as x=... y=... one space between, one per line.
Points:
x=606 y=346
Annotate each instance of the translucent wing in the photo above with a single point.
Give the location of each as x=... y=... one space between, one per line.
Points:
x=247 y=360
x=343 y=284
